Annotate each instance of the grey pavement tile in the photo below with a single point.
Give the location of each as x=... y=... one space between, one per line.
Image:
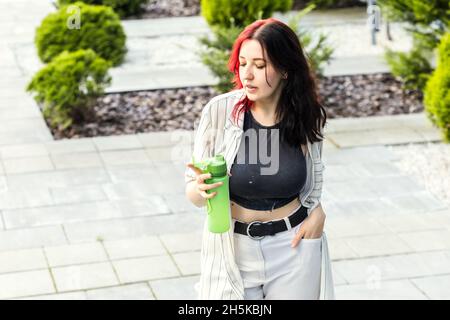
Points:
x=436 y=288
x=19 y=113
x=188 y=262
x=383 y=290
x=395 y=186
x=366 y=154
x=17 y=197
x=118 y=229
x=22 y=260
x=132 y=248
x=27 y=165
x=27 y=283
x=414 y=202
x=124 y=157
x=182 y=288
x=31 y=238
x=78 y=194
x=82 y=253
x=60 y=214
x=340 y=250
x=438 y=217
x=427 y=240
x=167 y=154
x=179 y=203
x=356 y=226
x=73 y=146
x=166 y=139
x=30 y=136
x=117 y=142
x=345 y=172
x=78 y=295
x=144 y=269
x=414 y=222
x=146 y=172
x=138 y=291
x=338 y=279
x=18 y=126
x=377 y=245
x=22 y=151
x=60 y=178
x=86 y=276
x=394 y=267
x=132 y=190
x=77 y=160
x=182 y=242
x=152 y=205
x=376 y=137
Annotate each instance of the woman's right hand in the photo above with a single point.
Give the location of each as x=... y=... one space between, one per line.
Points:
x=201 y=186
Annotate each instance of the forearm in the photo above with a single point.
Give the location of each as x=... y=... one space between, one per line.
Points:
x=194 y=196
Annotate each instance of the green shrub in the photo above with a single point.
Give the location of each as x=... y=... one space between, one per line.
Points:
x=413 y=67
x=331 y=4
x=96 y=27
x=217 y=51
x=124 y=8
x=68 y=85
x=427 y=22
x=224 y=13
x=437 y=91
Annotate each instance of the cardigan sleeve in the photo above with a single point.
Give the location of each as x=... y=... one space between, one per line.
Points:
x=203 y=141
x=315 y=196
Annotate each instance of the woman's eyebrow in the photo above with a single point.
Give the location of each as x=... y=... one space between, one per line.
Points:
x=253 y=59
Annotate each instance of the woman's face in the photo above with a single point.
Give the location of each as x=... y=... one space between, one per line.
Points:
x=253 y=69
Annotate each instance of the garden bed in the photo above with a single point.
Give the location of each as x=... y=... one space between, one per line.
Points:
x=170 y=109
x=186 y=8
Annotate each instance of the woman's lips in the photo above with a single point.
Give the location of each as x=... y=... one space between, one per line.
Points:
x=251 y=89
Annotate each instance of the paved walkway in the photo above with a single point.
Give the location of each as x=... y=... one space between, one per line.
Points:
x=101 y=218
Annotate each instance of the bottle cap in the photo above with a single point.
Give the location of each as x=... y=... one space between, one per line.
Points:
x=217 y=166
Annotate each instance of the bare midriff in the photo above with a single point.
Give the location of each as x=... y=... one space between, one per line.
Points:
x=248 y=215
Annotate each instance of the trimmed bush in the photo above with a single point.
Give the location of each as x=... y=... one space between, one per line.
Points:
x=124 y=8
x=427 y=22
x=92 y=27
x=240 y=12
x=68 y=85
x=437 y=91
x=413 y=67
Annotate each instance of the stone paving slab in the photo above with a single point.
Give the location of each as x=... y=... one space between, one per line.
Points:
x=84 y=276
x=83 y=253
x=436 y=288
x=385 y=290
x=25 y=284
x=138 y=291
x=175 y=289
x=143 y=269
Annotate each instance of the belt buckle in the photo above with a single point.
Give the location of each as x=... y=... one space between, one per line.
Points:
x=248 y=230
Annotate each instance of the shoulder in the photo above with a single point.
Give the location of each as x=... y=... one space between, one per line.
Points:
x=223 y=104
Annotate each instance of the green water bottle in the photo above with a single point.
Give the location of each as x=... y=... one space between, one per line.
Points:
x=218 y=207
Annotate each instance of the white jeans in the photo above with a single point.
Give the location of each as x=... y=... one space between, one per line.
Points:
x=272 y=270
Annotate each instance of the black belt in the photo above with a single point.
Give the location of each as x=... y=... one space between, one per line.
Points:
x=258 y=230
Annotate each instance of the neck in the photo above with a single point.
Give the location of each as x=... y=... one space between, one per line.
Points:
x=266 y=108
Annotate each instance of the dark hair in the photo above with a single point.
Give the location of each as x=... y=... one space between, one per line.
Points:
x=299 y=109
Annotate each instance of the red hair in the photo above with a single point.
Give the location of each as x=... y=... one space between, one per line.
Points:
x=249 y=32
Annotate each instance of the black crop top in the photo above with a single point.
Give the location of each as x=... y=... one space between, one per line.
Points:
x=258 y=182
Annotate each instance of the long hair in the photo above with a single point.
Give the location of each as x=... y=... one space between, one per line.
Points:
x=299 y=109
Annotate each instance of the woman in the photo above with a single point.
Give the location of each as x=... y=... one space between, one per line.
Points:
x=276 y=248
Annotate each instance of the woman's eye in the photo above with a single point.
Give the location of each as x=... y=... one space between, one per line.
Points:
x=259 y=67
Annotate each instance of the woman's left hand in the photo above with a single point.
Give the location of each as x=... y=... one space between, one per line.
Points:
x=312 y=227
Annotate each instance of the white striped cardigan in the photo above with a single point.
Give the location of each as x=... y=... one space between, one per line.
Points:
x=216 y=134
